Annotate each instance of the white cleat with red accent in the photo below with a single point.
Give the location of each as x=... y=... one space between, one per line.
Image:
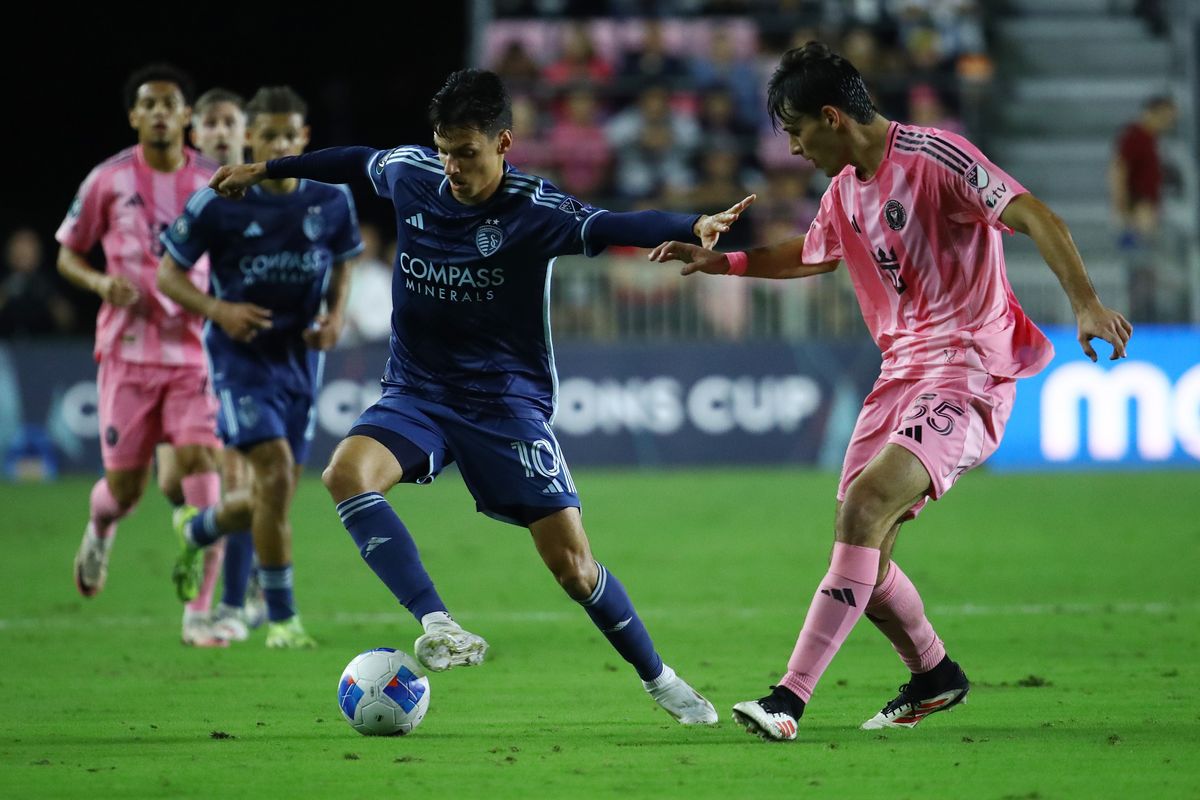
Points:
x=914 y=704
x=767 y=718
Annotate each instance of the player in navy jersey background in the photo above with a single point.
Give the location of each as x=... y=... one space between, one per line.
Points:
x=275 y=256
x=471 y=377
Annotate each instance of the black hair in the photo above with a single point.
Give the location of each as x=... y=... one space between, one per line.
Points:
x=1159 y=101
x=161 y=71
x=217 y=95
x=276 y=100
x=471 y=98
x=812 y=76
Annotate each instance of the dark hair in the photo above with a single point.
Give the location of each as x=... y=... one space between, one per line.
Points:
x=1159 y=101
x=276 y=100
x=217 y=95
x=161 y=71
x=813 y=76
x=471 y=98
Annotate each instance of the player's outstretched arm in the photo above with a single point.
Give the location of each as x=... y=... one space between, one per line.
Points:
x=781 y=260
x=115 y=290
x=709 y=227
x=233 y=181
x=242 y=321
x=1034 y=218
x=331 y=165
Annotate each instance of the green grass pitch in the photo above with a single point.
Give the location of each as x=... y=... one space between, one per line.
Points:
x=1069 y=599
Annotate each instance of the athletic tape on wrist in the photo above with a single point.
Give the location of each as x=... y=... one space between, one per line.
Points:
x=737 y=262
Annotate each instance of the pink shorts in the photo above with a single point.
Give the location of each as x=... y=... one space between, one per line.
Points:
x=142 y=405
x=951 y=423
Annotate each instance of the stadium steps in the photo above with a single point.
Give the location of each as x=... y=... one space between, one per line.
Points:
x=1075 y=72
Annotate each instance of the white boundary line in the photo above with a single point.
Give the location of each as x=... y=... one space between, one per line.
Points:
x=85 y=620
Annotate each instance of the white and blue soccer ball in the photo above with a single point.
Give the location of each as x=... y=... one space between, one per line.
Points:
x=383 y=692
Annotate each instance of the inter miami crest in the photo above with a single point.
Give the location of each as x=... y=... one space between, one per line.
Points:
x=977 y=176
x=895 y=215
x=489 y=237
x=314 y=223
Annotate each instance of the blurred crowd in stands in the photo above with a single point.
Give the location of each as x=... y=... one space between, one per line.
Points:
x=635 y=105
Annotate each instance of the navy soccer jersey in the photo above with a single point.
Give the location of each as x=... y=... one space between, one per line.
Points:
x=471 y=285
x=276 y=251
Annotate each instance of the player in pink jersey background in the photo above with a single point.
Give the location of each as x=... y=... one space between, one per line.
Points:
x=917 y=214
x=152 y=379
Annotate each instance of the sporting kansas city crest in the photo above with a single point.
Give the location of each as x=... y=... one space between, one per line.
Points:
x=489 y=237
x=314 y=223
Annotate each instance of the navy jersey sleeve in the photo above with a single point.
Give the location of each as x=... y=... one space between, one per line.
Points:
x=346 y=241
x=189 y=236
x=564 y=222
x=387 y=167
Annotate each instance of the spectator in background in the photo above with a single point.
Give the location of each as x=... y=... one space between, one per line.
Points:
x=651 y=61
x=368 y=311
x=1135 y=183
x=722 y=65
x=654 y=146
x=580 y=154
x=719 y=120
x=925 y=108
x=30 y=302
x=531 y=147
x=579 y=63
x=516 y=67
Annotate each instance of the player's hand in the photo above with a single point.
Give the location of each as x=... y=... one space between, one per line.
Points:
x=242 y=321
x=323 y=333
x=117 y=290
x=232 y=182
x=708 y=228
x=695 y=259
x=1098 y=322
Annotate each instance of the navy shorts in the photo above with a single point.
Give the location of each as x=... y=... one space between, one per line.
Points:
x=252 y=415
x=513 y=468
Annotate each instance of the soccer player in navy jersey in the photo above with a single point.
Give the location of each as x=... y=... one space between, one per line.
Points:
x=471 y=377
x=275 y=257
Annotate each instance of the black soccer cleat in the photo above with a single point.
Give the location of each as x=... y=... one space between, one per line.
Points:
x=920 y=698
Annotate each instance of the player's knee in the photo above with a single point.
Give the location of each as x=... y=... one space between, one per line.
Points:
x=576 y=575
x=343 y=480
x=126 y=493
x=171 y=489
x=863 y=516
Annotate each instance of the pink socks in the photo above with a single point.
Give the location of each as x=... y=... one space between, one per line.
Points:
x=845 y=591
x=202 y=491
x=896 y=609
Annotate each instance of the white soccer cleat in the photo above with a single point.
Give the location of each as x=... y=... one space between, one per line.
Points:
x=91 y=562
x=198 y=631
x=766 y=718
x=680 y=700
x=229 y=623
x=445 y=644
x=915 y=703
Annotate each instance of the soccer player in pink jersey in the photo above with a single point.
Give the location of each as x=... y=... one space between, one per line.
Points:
x=153 y=381
x=917 y=214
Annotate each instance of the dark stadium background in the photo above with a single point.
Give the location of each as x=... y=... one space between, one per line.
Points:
x=367 y=74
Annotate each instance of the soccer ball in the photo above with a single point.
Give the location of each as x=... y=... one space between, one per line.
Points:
x=380 y=693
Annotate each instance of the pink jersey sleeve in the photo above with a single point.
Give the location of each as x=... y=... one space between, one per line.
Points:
x=822 y=244
x=983 y=191
x=85 y=220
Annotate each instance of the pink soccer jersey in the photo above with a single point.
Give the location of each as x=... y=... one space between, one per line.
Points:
x=922 y=241
x=124 y=204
